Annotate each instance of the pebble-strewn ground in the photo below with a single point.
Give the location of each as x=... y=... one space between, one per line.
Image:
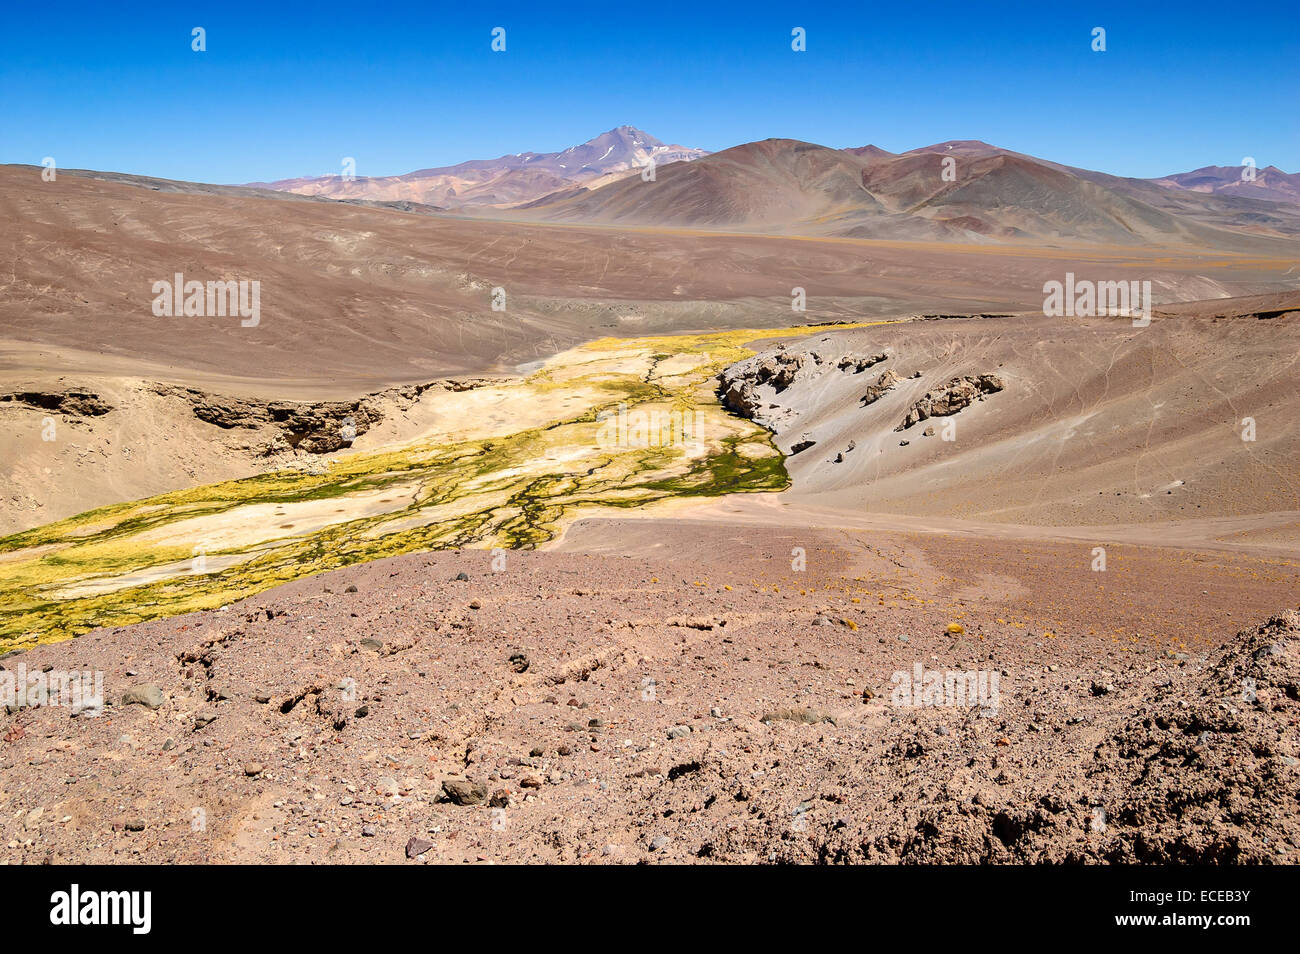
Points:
x=699 y=701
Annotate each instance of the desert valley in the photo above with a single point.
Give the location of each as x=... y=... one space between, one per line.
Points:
x=640 y=503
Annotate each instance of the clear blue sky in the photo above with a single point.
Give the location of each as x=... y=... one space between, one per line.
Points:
x=289 y=89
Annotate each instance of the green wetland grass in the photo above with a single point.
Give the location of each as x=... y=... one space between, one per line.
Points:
x=207 y=546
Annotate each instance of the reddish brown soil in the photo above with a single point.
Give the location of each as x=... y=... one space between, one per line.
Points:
x=1104 y=745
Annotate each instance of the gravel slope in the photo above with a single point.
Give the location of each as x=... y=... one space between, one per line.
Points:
x=669 y=705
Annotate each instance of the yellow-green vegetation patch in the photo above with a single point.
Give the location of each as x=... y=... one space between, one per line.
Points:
x=649 y=429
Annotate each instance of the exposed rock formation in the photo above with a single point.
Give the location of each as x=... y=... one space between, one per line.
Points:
x=314 y=427
x=858 y=364
x=740 y=382
x=883 y=384
x=777 y=368
x=958 y=393
x=780 y=371
x=738 y=395
x=71 y=402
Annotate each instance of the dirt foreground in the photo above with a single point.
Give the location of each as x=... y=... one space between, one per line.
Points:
x=666 y=706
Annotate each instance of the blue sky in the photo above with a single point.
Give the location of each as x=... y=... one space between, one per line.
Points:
x=289 y=89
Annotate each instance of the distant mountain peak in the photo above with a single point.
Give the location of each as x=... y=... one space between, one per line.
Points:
x=867 y=181
x=1268 y=183
x=789 y=186
x=507 y=180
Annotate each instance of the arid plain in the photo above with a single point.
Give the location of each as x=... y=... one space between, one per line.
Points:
x=391 y=574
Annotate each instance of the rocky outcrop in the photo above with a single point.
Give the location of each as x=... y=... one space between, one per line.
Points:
x=779 y=370
x=960 y=392
x=740 y=382
x=72 y=402
x=776 y=368
x=857 y=364
x=318 y=427
x=883 y=384
x=739 y=395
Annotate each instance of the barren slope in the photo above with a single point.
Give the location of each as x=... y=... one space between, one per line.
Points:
x=967 y=191
x=646 y=704
x=1095 y=421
